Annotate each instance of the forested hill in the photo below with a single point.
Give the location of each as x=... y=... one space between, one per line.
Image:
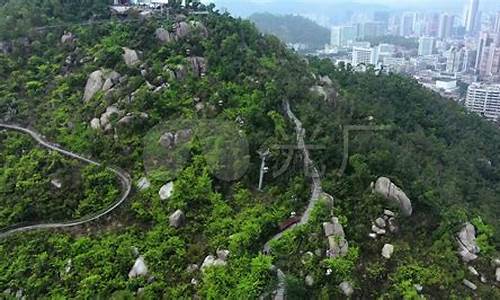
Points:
x=373 y=187
x=292 y=29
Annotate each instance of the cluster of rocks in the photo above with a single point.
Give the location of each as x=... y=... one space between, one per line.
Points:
x=104 y=121
x=171 y=139
x=214 y=261
x=469 y=250
x=325 y=89
x=384 y=187
x=10 y=294
x=180 y=30
x=100 y=81
x=384 y=223
x=338 y=245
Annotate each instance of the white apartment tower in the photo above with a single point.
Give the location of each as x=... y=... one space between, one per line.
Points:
x=471 y=15
x=484 y=99
x=361 y=55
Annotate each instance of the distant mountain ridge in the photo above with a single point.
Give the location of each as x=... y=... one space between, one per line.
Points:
x=292 y=29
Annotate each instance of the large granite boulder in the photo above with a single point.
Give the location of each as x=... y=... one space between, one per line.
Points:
x=212 y=261
x=198 y=65
x=346 y=288
x=94 y=85
x=100 y=80
x=139 y=268
x=166 y=191
x=390 y=191
x=387 y=251
x=177 y=219
x=337 y=243
x=163 y=35
x=68 y=38
x=467 y=245
x=131 y=57
x=182 y=30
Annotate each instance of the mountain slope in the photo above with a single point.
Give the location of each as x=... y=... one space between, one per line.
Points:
x=185 y=105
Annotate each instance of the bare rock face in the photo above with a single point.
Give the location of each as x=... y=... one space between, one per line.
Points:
x=338 y=245
x=391 y=192
x=68 y=38
x=387 y=251
x=223 y=254
x=171 y=139
x=166 y=191
x=182 y=30
x=163 y=35
x=95 y=124
x=198 y=65
x=143 y=184
x=212 y=261
x=177 y=219
x=199 y=27
x=470 y=285
x=346 y=288
x=467 y=246
x=131 y=57
x=139 y=268
x=94 y=84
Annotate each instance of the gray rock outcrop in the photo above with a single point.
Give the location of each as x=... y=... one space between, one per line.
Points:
x=469 y=284
x=139 y=268
x=198 y=65
x=390 y=191
x=143 y=184
x=177 y=219
x=497 y=274
x=163 y=35
x=387 y=251
x=467 y=246
x=68 y=38
x=166 y=191
x=171 y=139
x=346 y=288
x=338 y=245
x=131 y=57
x=212 y=261
x=96 y=82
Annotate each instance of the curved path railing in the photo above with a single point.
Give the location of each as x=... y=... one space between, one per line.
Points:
x=316 y=191
x=124 y=177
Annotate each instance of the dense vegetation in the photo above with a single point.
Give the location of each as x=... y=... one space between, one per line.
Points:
x=444 y=158
x=292 y=29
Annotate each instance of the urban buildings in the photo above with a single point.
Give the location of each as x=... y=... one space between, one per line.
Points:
x=484 y=99
x=446 y=23
x=425 y=46
x=470 y=15
x=362 y=55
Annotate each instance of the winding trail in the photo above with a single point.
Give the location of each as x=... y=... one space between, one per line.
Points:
x=125 y=181
x=316 y=192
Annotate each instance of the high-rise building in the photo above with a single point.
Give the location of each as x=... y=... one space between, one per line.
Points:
x=384 y=51
x=336 y=36
x=471 y=15
x=425 y=46
x=407 y=23
x=361 y=55
x=455 y=60
x=446 y=22
x=488 y=54
x=496 y=25
x=370 y=29
x=484 y=99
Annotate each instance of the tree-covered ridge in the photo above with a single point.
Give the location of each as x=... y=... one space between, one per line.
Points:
x=292 y=29
x=214 y=68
